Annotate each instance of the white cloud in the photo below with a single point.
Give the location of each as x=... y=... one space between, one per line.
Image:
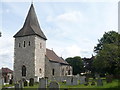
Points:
x=6 y=50
x=72 y=16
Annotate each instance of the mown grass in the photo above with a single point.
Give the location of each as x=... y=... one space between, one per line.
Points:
x=105 y=86
x=114 y=84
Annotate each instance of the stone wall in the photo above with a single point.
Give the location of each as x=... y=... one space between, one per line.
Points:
x=32 y=55
x=40 y=51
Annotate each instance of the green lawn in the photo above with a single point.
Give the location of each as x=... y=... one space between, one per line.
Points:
x=114 y=84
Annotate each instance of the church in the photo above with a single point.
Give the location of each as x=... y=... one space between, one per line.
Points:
x=31 y=57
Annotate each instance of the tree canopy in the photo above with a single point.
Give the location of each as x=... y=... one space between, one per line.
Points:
x=76 y=63
x=110 y=37
x=107 y=59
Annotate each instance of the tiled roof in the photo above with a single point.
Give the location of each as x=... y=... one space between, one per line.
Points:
x=6 y=70
x=51 y=55
x=31 y=26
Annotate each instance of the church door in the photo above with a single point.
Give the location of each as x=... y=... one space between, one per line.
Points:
x=23 y=70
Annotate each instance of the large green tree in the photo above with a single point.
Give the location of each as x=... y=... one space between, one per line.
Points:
x=110 y=37
x=107 y=59
x=76 y=63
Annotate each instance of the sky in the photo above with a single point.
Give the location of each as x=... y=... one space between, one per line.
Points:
x=71 y=27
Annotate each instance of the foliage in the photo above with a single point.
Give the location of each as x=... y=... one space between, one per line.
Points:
x=110 y=37
x=108 y=55
x=76 y=63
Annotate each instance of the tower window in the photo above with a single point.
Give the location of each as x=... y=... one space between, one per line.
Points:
x=23 y=70
x=53 y=72
x=29 y=43
x=40 y=45
x=40 y=70
x=24 y=43
x=19 y=45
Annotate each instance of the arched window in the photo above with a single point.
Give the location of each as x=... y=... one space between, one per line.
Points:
x=19 y=45
x=53 y=72
x=29 y=43
x=40 y=70
x=68 y=72
x=24 y=43
x=23 y=70
x=63 y=71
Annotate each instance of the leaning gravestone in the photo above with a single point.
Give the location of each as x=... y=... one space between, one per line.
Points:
x=31 y=82
x=54 y=86
x=99 y=82
x=68 y=81
x=42 y=83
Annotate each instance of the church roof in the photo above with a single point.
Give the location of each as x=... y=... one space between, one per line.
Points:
x=6 y=70
x=31 y=25
x=51 y=55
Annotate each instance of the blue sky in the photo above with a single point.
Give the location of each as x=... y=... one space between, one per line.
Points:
x=72 y=28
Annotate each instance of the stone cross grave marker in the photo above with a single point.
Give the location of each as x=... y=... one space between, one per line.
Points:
x=54 y=86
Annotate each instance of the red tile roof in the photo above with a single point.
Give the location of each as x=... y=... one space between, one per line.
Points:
x=51 y=55
x=6 y=70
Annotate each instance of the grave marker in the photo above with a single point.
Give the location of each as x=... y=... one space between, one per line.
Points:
x=42 y=82
x=54 y=86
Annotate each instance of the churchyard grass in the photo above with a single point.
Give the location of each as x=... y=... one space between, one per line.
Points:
x=114 y=84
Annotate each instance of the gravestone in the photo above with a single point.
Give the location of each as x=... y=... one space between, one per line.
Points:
x=25 y=83
x=86 y=79
x=109 y=78
x=31 y=82
x=54 y=86
x=20 y=84
x=75 y=81
x=11 y=81
x=78 y=76
x=43 y=82
x=17 y=86
x=99 y=82
x=68 y=81
x=82 y=79
x=93 y=83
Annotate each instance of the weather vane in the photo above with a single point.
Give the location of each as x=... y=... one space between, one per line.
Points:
x=31 y=1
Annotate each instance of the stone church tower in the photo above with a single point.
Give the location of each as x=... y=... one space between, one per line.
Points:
x=30 y=49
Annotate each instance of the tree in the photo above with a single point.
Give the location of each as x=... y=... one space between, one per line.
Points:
x=76 y=63
x=110 y=37
x=108 y=55
x=107 y=59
